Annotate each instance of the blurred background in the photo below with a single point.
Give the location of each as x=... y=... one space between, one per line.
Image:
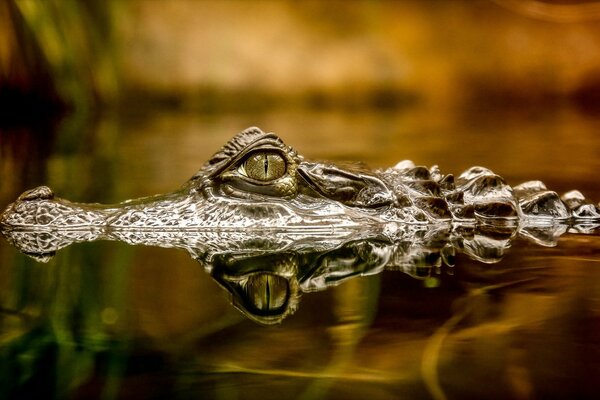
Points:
x=501 y=81
x=113 y=99
x=248 y=56
x=495 y=82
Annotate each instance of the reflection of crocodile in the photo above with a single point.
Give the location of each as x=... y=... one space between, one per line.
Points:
x=266 y=270
x=256 y=181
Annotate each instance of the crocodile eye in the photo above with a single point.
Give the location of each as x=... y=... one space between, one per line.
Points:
x=263 y=166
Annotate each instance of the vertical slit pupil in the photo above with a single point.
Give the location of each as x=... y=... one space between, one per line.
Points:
x=268 y=294
x=266 y=163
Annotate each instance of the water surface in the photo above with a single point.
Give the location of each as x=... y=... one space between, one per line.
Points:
x=107 y=319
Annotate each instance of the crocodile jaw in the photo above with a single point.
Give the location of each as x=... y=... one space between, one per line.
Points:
x=185 y=210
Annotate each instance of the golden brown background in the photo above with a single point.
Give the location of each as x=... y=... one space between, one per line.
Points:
x=108 y=100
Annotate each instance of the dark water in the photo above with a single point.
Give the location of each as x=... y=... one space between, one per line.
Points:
x=110 y=320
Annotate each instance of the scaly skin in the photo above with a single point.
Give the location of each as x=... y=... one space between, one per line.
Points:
x=268 y=224
x=257 y=182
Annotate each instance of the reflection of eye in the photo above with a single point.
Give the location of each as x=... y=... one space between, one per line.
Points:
x=263 y=166
x=267 y=293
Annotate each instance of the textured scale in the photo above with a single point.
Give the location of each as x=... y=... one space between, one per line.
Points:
x=312 y=196
x=307 y=225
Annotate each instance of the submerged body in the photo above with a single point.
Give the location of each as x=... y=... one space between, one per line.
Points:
x=256 y=181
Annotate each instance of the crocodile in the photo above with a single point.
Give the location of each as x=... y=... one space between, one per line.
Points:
x=256 y=181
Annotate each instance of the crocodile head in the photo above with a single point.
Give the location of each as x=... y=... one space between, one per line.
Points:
x=257 y=165
x=256 y=180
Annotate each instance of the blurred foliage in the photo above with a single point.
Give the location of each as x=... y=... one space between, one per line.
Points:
x=62 y=46
x=240 y=55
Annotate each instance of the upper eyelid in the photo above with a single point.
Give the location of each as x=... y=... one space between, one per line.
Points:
x=267 y=150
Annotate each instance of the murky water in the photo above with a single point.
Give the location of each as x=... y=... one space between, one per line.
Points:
x=107 y=319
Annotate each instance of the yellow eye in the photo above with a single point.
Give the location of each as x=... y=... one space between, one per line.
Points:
x=264 y=166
